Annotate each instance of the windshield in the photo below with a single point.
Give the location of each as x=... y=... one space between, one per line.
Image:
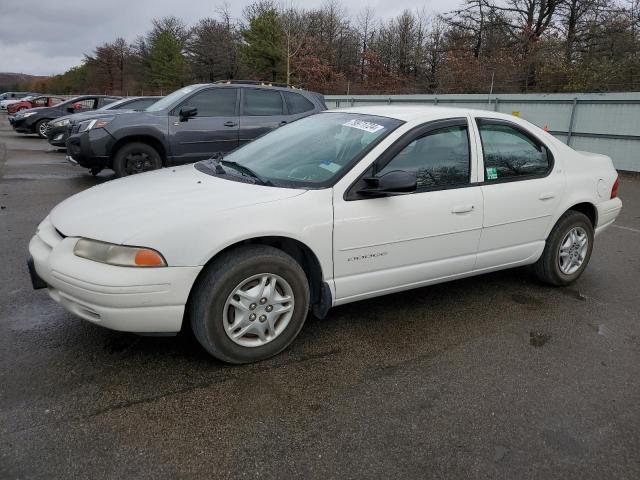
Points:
x=170 y=99
x=311 y=152
x=115 y=104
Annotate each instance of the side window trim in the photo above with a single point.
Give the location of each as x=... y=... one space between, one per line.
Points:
x=498 y=121
x=395 y=148
x=285 y=107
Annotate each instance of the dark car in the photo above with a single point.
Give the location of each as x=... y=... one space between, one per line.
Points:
x=35 y=120
x=58 y=129
x=190 y=124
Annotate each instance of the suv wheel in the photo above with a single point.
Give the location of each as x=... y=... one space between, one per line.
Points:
x=250 y=304
x=136 y=157
x=567 y=251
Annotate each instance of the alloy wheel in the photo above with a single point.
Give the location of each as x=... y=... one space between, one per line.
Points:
x=573 y=250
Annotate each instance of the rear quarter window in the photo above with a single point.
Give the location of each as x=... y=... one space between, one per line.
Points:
x=297 y=103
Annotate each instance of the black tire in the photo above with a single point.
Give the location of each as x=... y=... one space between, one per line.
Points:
x=136 y=157
x=41 y=125
x=547 y=268
x=216 y=284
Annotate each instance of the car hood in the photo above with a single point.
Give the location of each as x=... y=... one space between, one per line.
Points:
x=90 y=115
x=37 y=110
x=156 y=203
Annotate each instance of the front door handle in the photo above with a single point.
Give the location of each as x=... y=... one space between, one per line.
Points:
x=230 y=124
x=283 y=122
x=462 y=209
x=547 y=196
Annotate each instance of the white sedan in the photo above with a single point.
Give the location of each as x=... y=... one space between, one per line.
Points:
x=334 y=208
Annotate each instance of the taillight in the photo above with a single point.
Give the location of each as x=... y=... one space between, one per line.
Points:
x=614 y=189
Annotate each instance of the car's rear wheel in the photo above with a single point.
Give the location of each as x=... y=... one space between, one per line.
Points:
x=250 y=304
x=41 y=128
x=136 y=157
x=567 y=250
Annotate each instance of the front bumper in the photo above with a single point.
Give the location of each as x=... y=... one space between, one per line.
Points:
x=57 y=136
x=142 y=300
x=23 y=125
x=90 y=149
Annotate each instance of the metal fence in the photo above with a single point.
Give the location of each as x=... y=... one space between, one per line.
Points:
x=607 y=123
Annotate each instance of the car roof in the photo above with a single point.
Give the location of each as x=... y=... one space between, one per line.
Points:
x=246 y=84
x=422 y=113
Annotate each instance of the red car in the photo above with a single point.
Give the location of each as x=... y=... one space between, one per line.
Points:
x=33 y=102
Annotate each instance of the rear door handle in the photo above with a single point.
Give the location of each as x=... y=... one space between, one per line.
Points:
x=547 y=196
x=283 y=122
x=230 y=124
x=462 y=209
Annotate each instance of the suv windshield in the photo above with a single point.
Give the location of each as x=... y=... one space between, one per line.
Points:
x=310 y=152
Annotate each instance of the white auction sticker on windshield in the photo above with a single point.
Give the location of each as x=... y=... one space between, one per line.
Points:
x=362 y=125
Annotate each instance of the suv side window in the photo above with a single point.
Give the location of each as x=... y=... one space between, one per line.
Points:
x=214 y=102
x=259 y=102
x=296 y=103
x=440 y=158
x=510 y=153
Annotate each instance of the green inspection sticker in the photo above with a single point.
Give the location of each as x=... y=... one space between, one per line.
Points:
x=492 y=173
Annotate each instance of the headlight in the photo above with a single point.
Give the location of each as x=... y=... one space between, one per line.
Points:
x=95 y=123
x=118 y=254
x=60 y=123
x=28 y=114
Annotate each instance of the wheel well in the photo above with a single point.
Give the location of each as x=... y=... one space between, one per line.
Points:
x=148 y=139
x=300 y=253
x=589 y=210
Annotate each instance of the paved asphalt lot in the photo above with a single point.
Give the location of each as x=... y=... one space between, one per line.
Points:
x=488 y=377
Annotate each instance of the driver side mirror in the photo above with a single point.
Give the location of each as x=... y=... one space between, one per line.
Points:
x=187 y=112
x=396 y=182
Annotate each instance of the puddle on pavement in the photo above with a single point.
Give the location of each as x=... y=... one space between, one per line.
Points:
x=538 y=339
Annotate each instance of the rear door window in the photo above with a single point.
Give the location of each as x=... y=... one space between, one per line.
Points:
x=510 y=154
x=261 y=102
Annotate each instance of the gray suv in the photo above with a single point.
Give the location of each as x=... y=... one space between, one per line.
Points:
x=194 y=123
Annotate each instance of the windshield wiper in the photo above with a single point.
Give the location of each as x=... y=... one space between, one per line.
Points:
x=248 y=171
x=215 y=163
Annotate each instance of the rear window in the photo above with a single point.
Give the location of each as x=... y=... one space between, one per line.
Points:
x=261 y=102
x=296 y=103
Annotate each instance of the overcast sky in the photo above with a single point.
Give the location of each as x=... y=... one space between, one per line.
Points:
x=44 y=38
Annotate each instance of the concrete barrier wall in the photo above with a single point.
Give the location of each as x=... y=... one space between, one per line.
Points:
x=607 y=123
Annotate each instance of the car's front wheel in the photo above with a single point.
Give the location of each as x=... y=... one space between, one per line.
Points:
x=567 y=250
x=250 y=304
x=136 y=157
x=41 y=128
